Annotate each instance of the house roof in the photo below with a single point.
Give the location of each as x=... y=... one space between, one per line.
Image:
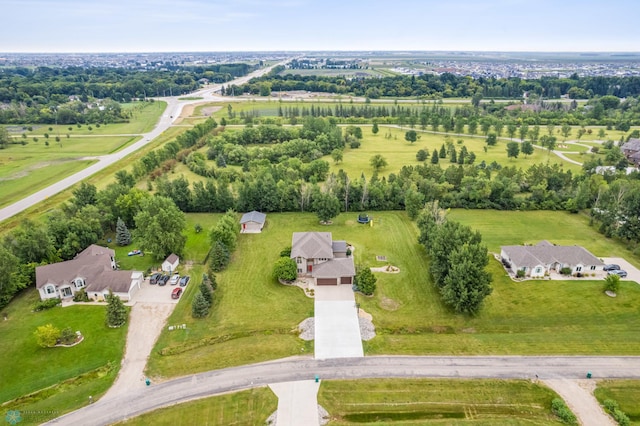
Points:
x=339 y=246
x=334 y=268
x=173 y=258
x=312 y=245
x=93 y=264
x=545 y=253
x=253 y=216
x=631 y=145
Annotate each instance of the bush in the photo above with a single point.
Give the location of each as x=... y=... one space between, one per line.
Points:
x=47 y=335
x=286 y=252
x=612 y=408
x=46 y=304
x=354 y=144
x=220 y=257
x=365 y=282
x=565 y=271
x=560 y=409
x=612 y=283
x=520 y=273
x=285 y=269
x=68 y=336
x=81 y=296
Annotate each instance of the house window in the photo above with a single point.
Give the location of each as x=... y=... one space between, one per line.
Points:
x=593 y=267
x=578 y=268
x=79 y=283
x=299 y=270
x=299 y=260
x=538 y=270
x=50 y=289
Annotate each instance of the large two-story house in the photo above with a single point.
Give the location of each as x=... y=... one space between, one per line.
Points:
x=321 y=258
x=94 y=270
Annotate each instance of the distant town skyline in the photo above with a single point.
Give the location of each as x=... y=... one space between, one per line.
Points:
x=78 y=26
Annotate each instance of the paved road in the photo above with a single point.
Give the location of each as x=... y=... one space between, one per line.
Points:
x=136 y=402
x=172 y=112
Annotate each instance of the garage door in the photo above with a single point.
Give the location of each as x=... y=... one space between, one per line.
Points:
x=327 y=281
x=345 y=280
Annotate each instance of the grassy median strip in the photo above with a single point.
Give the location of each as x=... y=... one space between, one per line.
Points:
x=451 y=402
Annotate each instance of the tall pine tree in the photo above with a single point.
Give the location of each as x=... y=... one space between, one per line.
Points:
x=116 y=312
x=123 y=236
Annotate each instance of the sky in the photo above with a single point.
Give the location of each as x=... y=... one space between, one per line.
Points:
x=305 y=25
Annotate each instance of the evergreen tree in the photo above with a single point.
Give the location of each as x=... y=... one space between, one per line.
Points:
x=435 y=157
x=123 y=236
x=219 y=257
x=116 y=311
x=199 y=306
x=443 y=152
x=365 y=281
x=454 y=157
x=375 y=129
x=205 y=290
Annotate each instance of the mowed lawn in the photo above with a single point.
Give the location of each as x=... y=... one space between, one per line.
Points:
x=25 y=169
x=25 y=367
x=450 y=402
x=250 y=407
x=625 y=392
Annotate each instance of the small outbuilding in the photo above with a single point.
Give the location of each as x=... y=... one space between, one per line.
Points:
x=252 y=222
x=171 y=263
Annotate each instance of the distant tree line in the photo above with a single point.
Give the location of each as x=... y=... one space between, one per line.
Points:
x=447 y=85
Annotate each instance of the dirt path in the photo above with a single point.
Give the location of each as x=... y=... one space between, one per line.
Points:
x=145 y=324
x=578 y=394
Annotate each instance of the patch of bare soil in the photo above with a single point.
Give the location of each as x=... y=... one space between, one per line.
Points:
x=389 y=304
x=207 y=111
x=389 y=269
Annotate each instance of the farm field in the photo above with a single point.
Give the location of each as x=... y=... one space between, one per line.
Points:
x=88 y=368
x=451 y=402
x=240 y=408
x=25 y=169
x=625 y=392
x=533 y=317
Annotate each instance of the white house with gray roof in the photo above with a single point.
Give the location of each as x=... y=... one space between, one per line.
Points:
x=252 y=222
x=539 y=260
x=94 y=270
x=319 y=257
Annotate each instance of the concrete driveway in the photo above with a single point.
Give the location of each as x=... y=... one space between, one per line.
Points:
x=337 y=330
x=633 y=273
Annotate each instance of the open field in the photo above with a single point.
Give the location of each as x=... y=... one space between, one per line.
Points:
x=253 y=317
x=25 y=169
x=26 y=367
x=144 y=117
x=250 y=407
x=625 y=392
x=451 y=402
x=349 y=73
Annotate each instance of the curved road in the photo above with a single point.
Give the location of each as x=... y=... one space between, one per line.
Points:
x=172 y=112
x=134 y=403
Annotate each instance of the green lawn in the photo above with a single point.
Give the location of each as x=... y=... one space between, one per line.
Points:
x=250 y=407
x=450 y=402
x=26 y=367
x=625 y=392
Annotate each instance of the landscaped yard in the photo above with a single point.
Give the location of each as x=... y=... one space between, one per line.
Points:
x=451 y=402
x=625 y=392
x=250 y=407
x=26 y=367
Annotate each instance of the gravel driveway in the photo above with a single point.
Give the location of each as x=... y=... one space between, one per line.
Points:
x=578 y=395
x=152 y=307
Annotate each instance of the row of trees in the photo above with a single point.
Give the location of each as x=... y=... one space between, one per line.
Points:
x=446 y=86
x=223 y=237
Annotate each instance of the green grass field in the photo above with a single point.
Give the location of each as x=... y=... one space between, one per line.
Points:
x=450 y=402
x=625 y=392
x=26 y=367
x=250 y=407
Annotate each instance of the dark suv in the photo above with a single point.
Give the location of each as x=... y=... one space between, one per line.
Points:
x=619 y=272
x=163 y=280
x=611 y=267
x=154 y=278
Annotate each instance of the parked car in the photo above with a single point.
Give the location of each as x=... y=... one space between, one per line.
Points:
x=154 y=278
x=174 y=279
x=164 y=279
x=611 y=267
x=175 y=294
x=618 y=272
x=184 y=281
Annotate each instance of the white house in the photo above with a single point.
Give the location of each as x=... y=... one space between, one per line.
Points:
x=539 y=260
x=171 y=263
x=94 y=270
x=252 y=222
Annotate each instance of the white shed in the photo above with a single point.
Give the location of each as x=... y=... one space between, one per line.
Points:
x=252 y=222
x=171 y=263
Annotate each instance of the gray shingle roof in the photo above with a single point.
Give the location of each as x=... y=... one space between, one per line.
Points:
x=253 y=216
x=312 y=245
x=339 y=246
x=172 y=258
x=545 y=254
x=632 y=145
x=335 y=268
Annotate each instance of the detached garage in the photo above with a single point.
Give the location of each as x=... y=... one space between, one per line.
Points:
x=252 y=222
